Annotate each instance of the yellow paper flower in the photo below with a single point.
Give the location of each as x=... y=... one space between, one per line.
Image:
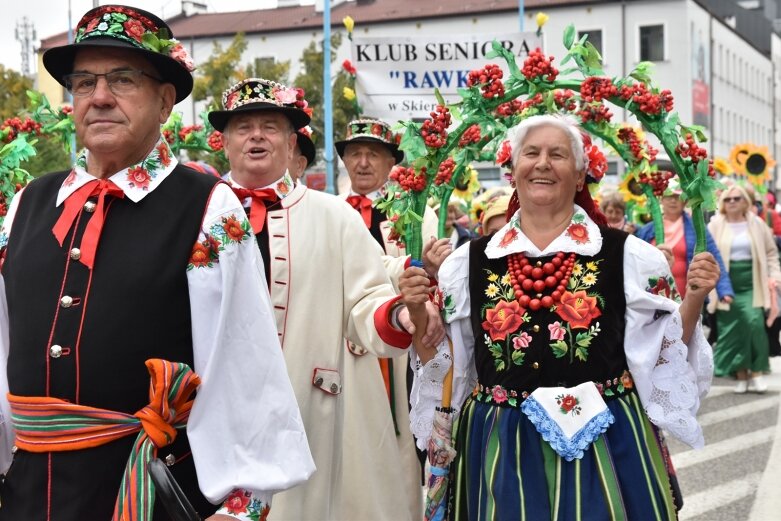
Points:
x=349 y=23
x=541 y=19
x=472 y=185
x=348 y=94
x=722 y=166
x=752 y=161
x=631 y=190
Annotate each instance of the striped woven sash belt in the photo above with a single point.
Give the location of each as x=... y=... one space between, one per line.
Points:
x=45 y=424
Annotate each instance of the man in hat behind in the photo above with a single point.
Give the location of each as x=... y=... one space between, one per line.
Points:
x=325 y=276
x=303 y=153
x=369 y=152
x=124 y=269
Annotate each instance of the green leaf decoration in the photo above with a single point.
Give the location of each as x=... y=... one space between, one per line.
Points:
x=583 y=339
x=151 y=42
x=569 y=36
x=581 y=353
x=560 y=348
x=517 y=356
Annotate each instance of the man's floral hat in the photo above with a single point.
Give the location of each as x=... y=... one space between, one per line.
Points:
x=131 y=28
x=371 y=130
x=306 y=145
x=259 y=94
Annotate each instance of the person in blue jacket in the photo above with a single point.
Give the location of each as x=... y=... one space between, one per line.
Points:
x=680 y=239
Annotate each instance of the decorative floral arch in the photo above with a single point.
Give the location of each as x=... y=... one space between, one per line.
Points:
x=492 y=104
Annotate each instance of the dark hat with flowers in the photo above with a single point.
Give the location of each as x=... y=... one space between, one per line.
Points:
x=257 y=94
x=370 y=130
x=305 y=144
x=126 y=27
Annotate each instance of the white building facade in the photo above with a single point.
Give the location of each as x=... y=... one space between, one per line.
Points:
x=718 y=79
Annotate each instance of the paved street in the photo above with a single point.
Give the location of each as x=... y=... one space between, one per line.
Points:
x=737 y=476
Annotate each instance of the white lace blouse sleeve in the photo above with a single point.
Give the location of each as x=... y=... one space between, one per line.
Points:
x=245 y=429
x=427 y=387
x=670 y=377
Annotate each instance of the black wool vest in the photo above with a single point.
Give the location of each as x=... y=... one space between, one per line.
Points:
x=133 y=306
x=521 y=349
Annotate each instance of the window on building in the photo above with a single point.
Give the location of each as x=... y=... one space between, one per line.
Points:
x=652 y=43
x=595 y=37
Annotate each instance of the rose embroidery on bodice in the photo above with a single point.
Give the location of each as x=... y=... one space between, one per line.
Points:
x=570 y=334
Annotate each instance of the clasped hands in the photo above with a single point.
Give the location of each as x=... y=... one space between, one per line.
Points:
x=418 y=309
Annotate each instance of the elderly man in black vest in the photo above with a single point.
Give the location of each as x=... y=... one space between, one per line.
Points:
x=130 y=267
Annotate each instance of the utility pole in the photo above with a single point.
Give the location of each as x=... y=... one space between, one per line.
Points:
x=25 y=35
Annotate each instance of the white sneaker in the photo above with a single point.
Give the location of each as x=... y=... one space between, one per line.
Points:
x=756 y=384
x=741 y=387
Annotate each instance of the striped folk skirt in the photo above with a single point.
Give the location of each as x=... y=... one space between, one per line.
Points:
x=505 y=471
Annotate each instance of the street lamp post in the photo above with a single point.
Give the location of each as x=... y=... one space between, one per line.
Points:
x=328 y=122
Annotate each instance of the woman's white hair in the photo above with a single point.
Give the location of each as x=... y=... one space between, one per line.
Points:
x=518 y=133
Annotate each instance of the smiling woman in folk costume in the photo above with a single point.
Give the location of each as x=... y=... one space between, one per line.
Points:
x=564 y=329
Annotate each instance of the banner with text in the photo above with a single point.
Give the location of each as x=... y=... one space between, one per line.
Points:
x=396 y=76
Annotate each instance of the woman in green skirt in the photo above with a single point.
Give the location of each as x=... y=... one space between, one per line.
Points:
x=749 y=252
x=570 y=351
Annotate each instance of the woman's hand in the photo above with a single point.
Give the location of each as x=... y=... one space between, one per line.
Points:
x=434 y=254
x=700 y=280
x=668 y=254
x=702 y=276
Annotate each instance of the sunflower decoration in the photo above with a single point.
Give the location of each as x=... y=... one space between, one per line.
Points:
x=722 y=166
x=752 y=161
x=631 y=190
x=468 y=186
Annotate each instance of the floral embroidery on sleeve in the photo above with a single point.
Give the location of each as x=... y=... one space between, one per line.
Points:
x=224 y=233
x=241 y=504
x=663 y=286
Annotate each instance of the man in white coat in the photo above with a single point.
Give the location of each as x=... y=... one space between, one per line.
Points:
x=322 y=291
x=369 y=152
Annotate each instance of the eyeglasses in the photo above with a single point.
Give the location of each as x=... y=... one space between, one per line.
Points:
x=733 y=199
x=119 y=82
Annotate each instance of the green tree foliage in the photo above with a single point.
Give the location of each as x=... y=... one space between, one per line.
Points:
x=50 y=156
x=219 y=72
x=311 y=80
x=270 y=69
x=13 y=98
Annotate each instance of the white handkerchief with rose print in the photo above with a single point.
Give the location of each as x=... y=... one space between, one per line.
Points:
x=568 y=418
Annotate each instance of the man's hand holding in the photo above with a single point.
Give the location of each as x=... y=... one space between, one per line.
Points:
x=415 y=288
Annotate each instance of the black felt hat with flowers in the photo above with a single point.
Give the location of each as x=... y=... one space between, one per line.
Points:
x=368 y=130
x=130 y=28
x=257 y=94
x=305 y=144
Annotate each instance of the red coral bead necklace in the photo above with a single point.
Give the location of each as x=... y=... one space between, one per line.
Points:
x=539 y=277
